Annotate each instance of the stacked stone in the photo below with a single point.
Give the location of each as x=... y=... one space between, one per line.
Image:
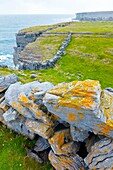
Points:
x=48 y=63
x=72 y=121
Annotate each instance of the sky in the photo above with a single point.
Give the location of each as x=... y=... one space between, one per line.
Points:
x=53 y=6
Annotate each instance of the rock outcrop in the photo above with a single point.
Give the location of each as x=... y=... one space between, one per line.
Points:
x=25 y=38
x=73 y=122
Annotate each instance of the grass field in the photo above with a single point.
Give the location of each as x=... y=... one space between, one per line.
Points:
x=87 y=57
x=43 y=48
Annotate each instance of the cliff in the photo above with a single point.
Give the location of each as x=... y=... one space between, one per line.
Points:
x=35 y=47
x=66 y=119
x=95 y=16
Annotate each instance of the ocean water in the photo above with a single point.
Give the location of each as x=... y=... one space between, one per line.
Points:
x=11 y=24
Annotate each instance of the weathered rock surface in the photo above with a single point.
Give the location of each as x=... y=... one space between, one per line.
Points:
x=62 y=144
x=78 y=103
x=66 y=162
x=39 y=128
x=78 y=134
x=5 y=82
x=41 y=145
x=34 y=156
x=73 y=119
x=101 y=155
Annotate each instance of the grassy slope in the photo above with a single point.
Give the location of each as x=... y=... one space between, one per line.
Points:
x=87 y=57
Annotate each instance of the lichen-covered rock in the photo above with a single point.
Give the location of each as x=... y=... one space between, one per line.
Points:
x=10 y=115
x=18 y=126
x=41 y=145
x=6 y=81
x=78 y=103
x=63 y=162
x=17 y=96
x=34 y=109
x=101 y=155
x=39 y=128
x=78 y=134
x=61 y=143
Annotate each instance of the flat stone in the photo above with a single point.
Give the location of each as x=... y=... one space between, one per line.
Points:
x=34 y=156
x=61 y=143
x=78 y=134
x=39 y=128
x=101 y=155
x=41 y=145
x=63 y=162
x=10 y=115
x=6 y=81
x=81 y=104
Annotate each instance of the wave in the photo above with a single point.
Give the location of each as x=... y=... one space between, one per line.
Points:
x=6 y=60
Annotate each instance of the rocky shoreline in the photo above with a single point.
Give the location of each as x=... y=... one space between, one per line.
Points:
x=24 y=38
x=72 y=122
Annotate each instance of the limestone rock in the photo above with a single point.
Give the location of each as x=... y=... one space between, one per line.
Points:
x=41 y=145
x=17 y=89
x=10 y=115
x=78 y=134
x=61 y=143
x=6 y=81
x=66 y=162
x=18 y=126
x=39 y=128
x=34 y=156
x=34 y=109
x=78 y=103
x=101 y=155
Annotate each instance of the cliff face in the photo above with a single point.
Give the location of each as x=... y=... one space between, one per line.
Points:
x=95 y=16
x=69 y=118
x=26 y=58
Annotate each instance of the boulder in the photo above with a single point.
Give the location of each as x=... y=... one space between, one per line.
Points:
x=79 y=104
x=63 y=162
x=19 y=99
x=39 y=128
x=6 y=81
x=101 y=155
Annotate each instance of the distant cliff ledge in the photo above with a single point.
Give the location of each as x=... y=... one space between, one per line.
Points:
x=95 y=16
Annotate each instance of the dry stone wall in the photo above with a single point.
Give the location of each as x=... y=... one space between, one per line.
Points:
x=72 y=122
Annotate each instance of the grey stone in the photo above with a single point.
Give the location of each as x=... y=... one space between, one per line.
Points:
x=78 y=135
x=34 y=156
x=41 y=145
x=6 y=81
x=101 y=155
x=10 y=115
x=64 y=162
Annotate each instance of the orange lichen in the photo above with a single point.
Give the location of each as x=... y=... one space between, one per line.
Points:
x=23 y=98
x=72 y=117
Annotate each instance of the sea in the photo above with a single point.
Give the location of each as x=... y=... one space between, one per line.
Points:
x=11 y=24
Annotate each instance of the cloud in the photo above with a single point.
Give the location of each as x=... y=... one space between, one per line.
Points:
x=52 y=6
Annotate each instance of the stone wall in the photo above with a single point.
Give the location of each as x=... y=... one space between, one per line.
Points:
x=73 y=121
x=95 y=16
x=25 y=38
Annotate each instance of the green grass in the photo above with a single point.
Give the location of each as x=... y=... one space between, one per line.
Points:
x=43 y=48
x=13 y=149
x=103 y=27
